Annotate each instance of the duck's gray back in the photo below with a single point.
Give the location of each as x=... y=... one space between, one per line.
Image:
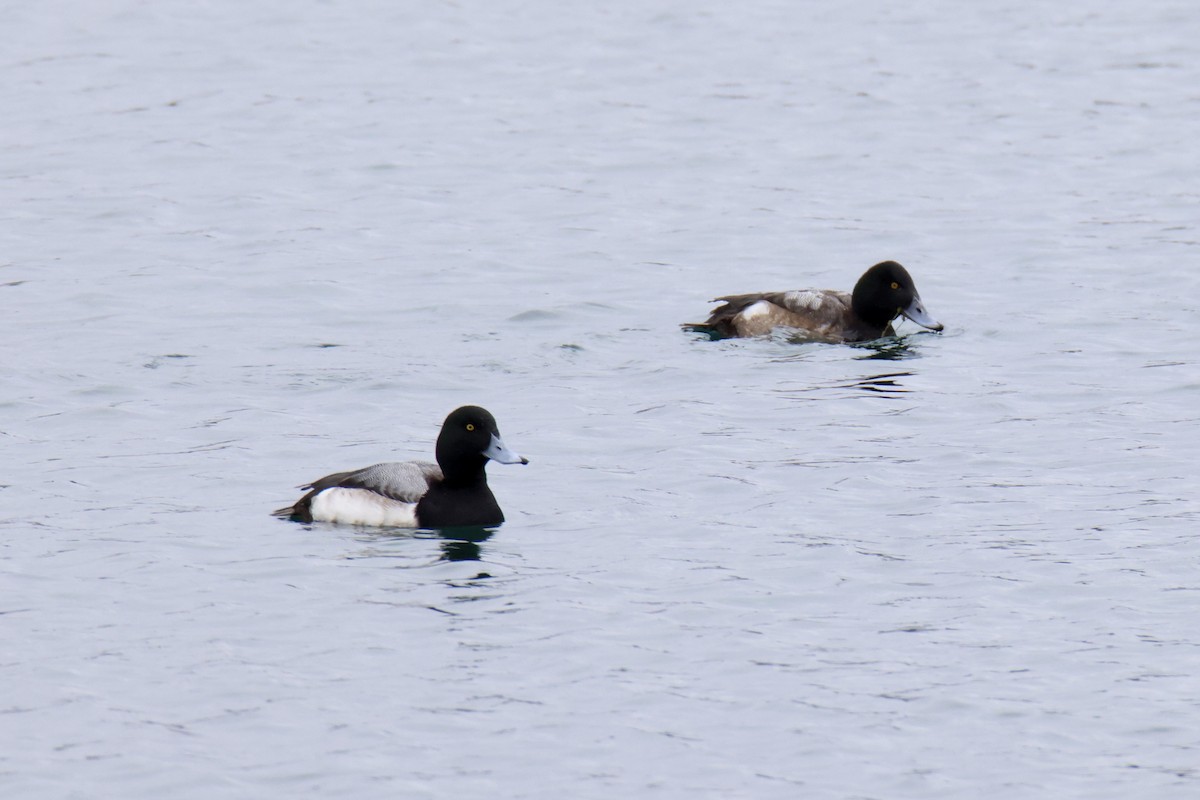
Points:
x=406 y=481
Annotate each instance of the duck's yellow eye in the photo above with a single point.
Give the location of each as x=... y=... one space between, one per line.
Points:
x=470 y=426
x=895 y=285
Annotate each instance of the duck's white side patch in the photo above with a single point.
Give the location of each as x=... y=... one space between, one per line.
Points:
x=804 y=298
x=362 y=507
x=756 y=310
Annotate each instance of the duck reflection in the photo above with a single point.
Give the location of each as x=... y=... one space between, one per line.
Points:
x=462 y=544
x=890 y=348
x=885 y=384
x=455 y=544
x=888 y=383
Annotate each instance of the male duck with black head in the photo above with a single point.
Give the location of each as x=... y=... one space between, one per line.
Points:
x=884 y=292
x=417 y=494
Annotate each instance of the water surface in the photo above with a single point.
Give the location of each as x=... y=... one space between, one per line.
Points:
x=246 y=245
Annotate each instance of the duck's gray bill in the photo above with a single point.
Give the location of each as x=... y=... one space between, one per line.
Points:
x=497 y=451
x=916 y=312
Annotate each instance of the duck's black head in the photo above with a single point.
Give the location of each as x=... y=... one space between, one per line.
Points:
x=468 y=439
x=886 y=291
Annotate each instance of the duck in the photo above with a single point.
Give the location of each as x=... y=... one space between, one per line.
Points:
x=417 y=494
x=883 y=293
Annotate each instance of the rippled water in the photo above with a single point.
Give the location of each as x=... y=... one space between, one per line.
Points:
x=248 y=244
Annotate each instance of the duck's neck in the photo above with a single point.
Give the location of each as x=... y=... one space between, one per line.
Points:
x=873 y=314
x=458 y=474
x=460 y=467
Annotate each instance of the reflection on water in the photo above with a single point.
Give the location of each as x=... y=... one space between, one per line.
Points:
x=456 y=544
x=888 y=383
x=889 y=348
x=462 y=544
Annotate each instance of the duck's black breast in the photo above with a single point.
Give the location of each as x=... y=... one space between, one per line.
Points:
x=449 y=506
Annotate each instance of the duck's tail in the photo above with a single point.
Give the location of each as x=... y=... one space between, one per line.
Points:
x=712 y=331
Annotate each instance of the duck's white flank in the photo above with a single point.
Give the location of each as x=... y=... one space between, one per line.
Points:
x=362 y=507
x=756 y=309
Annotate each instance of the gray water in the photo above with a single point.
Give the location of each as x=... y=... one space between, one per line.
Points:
x=247 y=244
